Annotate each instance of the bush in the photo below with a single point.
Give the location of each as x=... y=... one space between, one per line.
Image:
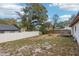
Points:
x=43 y=29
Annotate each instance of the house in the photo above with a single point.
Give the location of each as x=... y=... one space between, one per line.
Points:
x=75 y=28
x=4 y=28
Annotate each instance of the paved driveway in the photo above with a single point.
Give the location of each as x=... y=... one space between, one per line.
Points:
x=4 y=37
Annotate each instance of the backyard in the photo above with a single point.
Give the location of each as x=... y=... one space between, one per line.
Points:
x=43 y=45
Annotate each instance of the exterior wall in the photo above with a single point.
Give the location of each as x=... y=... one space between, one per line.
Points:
x=75 y=31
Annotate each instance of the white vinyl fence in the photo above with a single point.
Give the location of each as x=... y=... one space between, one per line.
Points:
x=4 y=37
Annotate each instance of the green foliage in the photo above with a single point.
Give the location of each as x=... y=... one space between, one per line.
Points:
x=33 y=12
x=43 y=29
x=72 y=17
x=63 y=24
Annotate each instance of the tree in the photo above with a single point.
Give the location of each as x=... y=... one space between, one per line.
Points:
x=31 y=13
x=73 y=17
x=55 y=19
x=63 y=24
x=49 y=26
x=8 y=21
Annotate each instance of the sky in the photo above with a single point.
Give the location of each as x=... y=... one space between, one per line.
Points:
x=64 y=11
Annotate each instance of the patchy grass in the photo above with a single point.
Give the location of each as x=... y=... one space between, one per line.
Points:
x=44 y=45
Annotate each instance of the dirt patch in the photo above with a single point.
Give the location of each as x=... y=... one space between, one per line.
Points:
x=44 y=45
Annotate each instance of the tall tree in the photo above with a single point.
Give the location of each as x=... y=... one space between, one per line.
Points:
x=72 y=17
x=55 y=19
x=33 y=12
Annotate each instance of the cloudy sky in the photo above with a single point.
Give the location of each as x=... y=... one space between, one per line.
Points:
x=64 y=11
x=8 y=10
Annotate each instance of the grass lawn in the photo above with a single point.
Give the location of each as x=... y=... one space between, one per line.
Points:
x=44 y=45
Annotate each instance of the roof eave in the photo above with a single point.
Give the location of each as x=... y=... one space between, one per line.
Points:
x=74 y=21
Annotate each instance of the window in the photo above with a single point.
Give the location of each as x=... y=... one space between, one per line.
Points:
x=75 y=28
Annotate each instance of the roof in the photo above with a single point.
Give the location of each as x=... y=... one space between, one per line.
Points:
x=74 y=21
x=4 y=27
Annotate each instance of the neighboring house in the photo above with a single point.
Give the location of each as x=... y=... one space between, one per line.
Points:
x=75 y=28
x=8 y=28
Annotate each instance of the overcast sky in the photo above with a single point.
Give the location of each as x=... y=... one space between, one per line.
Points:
x=64 y=11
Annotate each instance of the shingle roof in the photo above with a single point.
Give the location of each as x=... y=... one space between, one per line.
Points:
x=4 y=27
x=75 y=20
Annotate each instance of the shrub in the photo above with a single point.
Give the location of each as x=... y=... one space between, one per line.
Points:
x=42 y=29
